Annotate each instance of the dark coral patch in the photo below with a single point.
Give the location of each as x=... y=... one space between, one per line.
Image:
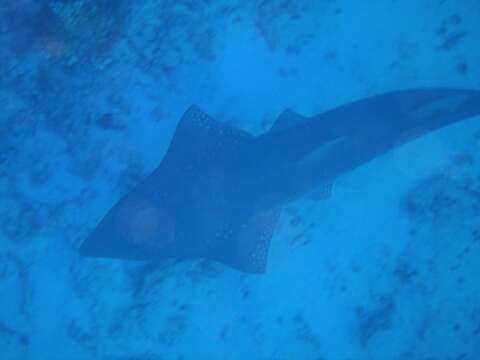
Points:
x=371 y=321
x=462 y=68
x=453 y=40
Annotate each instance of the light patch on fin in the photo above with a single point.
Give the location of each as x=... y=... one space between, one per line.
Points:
x=321 y=192
x=445 y=104
x=253 y=241
x=201 y=139
x=287 y=119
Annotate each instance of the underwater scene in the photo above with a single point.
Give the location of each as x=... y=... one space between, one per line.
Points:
x=239 y=180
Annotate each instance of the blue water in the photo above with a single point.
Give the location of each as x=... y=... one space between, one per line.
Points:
x=384 y=266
